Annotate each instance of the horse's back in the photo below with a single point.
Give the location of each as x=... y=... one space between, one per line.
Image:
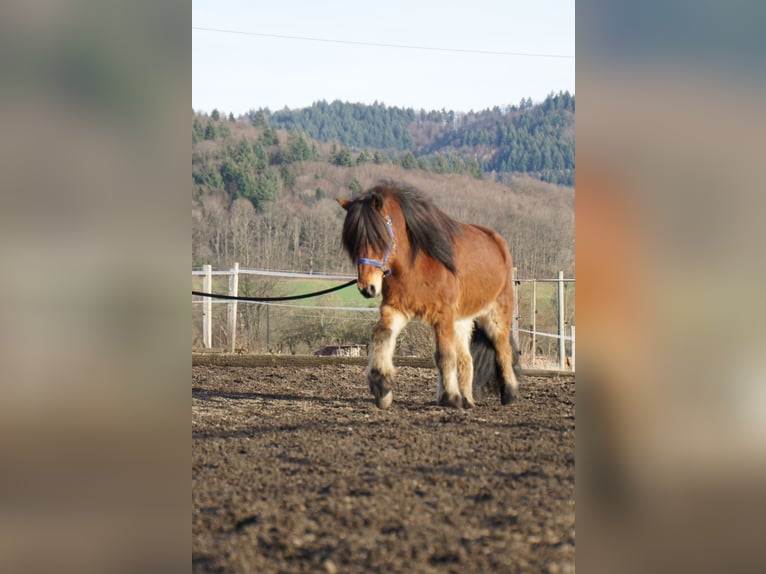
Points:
x=482 y=244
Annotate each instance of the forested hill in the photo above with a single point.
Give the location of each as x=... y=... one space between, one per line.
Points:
x=535 y=139
x=265 y=198
x=263 y=187
x=355 y=125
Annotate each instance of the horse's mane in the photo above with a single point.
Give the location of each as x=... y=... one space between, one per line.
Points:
x=429 y=229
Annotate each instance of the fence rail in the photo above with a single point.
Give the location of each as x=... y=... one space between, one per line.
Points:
x=269 y=273
x=207 y=274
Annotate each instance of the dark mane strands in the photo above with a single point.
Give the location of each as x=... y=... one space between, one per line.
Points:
x=363 y=227
x=428 y=228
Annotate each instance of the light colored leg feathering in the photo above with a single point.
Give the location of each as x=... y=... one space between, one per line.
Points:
x=380 y=370
x=463 y=332
x=446 y=361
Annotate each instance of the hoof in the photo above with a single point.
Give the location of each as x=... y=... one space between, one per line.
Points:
x=380 y=387
x=454 y=401
x=468 y=404
x=384 y=401
x=508 y=394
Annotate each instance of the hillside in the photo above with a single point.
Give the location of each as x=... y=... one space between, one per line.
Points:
x=265 y=197
x=534 y=139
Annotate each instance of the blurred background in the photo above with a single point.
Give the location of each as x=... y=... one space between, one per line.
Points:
x=669 y=204
x=94 y=418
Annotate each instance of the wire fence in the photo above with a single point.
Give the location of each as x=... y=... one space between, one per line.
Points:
x=544 y=327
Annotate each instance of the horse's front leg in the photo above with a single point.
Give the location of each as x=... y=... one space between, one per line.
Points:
x=447 y=391
x=380 y=371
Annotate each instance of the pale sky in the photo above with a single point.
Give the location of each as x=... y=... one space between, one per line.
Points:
x=237 y=72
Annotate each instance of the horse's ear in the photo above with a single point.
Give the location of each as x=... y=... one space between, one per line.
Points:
x=344 y=203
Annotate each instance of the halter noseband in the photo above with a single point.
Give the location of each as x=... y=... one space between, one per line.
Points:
x=381 y=264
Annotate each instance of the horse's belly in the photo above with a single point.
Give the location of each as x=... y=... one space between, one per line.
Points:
x=478 y=296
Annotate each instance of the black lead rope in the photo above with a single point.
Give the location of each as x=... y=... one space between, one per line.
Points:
x=269 y=299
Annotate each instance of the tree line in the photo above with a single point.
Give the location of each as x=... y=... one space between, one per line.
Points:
x=249 y=160
x=537 y=139
x=534 y=139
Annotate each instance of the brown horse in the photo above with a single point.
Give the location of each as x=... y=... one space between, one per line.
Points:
x=453 y=276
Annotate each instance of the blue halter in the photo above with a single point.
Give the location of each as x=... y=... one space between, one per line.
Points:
x=381 y=264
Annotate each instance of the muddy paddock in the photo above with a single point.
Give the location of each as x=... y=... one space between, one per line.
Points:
x=295 y=470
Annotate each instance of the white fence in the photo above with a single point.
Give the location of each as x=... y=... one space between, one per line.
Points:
x=561 y=321
x=233 y=274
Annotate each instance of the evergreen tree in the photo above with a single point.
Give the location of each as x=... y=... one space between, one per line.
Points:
x=258 y=119
x=210 y=131
x=440 y=164
x=408 y=161
x=355 y=187
x=269 y=185
x=474 y=169
x=209 y=176
x=269 y=137
x=341 y=156
x=363 y=157
x=222 y=130
x=198 y=132
x=297 y=148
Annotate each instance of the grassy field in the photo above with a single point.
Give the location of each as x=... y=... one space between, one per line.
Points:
x=348 y=297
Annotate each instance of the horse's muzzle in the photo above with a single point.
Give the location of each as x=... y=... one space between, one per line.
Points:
x=368 y=291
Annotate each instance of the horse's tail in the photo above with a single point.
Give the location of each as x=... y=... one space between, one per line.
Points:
x=486 y=372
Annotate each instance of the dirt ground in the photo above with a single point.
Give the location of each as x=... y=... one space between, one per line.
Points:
x=295 y=470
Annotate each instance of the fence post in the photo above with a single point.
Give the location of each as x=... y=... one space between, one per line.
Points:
x=233 y=291
x=515 y=322
x=562 y=341
x=533 y=313
x=207 y=308
x=573 y=347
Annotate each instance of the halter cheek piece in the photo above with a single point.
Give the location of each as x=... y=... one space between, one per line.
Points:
x=381 y=264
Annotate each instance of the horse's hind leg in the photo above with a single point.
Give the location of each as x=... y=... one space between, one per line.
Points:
x=380 y=371
x=463 y=331
x=496 y=323
x=445 y=357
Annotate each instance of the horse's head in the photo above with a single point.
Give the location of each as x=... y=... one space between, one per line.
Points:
x=368 y=237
